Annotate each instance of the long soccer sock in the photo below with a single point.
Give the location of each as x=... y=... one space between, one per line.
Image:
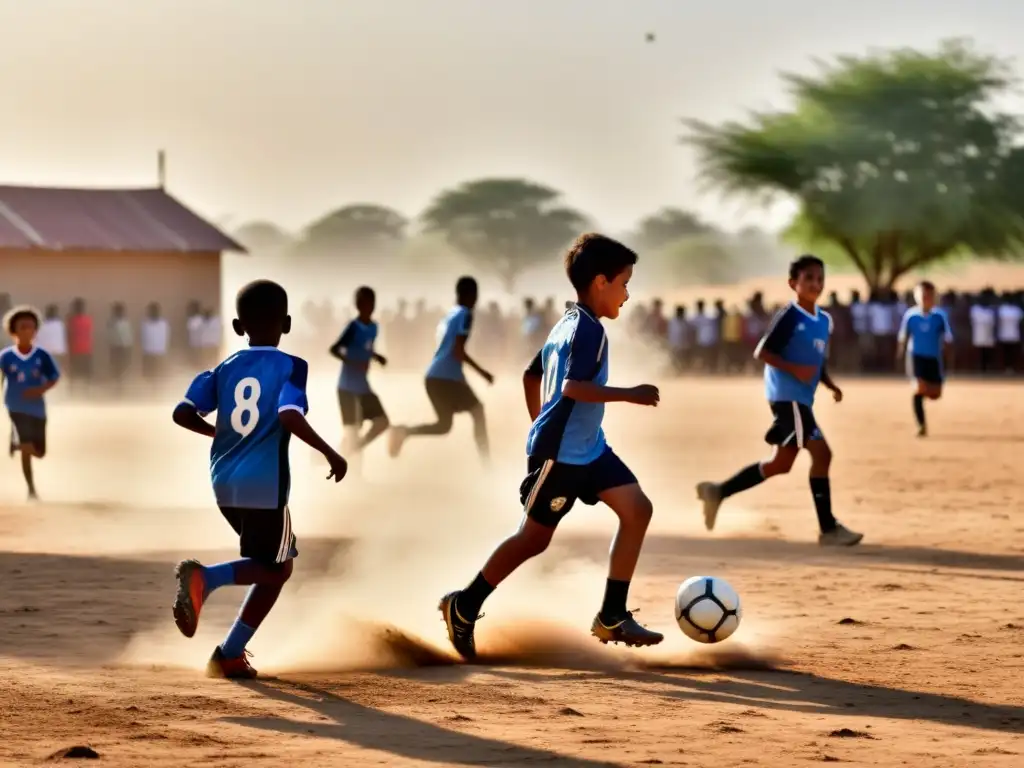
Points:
x=472 y=597
x=237 y=638
x=919 y=409
x=219 y=575
x=743 y=480
x=613 y=609
x=821 y=490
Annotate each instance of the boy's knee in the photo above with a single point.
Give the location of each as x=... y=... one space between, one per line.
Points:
x=282 y=571
x=780 y=465
x=534 y=539
x=644 y=509
x=381 y=422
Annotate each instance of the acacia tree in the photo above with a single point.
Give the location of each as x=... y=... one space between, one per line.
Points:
x=503 y=225
x=355 y=231
x=667 y=226
x=899 y=158
x=263 y=236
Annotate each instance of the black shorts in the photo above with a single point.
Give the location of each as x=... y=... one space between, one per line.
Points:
x=450 y=397
x=551 y=488
x=355 y=409
x=28 y=430
x=265 y=534
x=794 y=424
x=927 y=369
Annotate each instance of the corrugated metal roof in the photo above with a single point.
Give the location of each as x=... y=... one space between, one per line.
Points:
x=104 y=219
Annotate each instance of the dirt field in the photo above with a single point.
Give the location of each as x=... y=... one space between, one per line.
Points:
x=906 y=651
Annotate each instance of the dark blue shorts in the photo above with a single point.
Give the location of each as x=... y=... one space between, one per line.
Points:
x=793 y=425
x=265 y=535
x=551 y=487
x=926 y=369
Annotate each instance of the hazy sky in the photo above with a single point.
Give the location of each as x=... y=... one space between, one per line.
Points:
x=282 y=109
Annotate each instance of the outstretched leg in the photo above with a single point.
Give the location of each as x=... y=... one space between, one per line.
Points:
x=713 y=494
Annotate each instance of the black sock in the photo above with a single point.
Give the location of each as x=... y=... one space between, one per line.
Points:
x=822 y=491
x=614 y=607
x=472 y=598
x=919 y=409
x=743 y=480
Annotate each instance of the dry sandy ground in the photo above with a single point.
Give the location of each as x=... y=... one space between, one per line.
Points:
x=908 y=650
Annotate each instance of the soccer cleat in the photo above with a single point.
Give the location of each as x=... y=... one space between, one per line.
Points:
x=922 y=431
x=220 y=666
x=460 y=630
x=711 y=495
x=626 y=631
x=396 y=439
x=840 y=536
x=189 y=600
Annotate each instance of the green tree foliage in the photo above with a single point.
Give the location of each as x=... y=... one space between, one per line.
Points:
x=504 y=226
x=898 y=158
x=355 y=232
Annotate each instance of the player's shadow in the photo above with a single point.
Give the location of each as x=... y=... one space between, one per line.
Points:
x=941 y=438
x=669 y=548
x=401 y=736
x=802 y=692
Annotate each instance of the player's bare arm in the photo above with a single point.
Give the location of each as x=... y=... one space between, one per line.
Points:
x=185 y=415
x=531 y=391
x=380 y=359
x=829 y=384
x=804 y=373
x=589 y=392
x=293 y=421
x=463 y=357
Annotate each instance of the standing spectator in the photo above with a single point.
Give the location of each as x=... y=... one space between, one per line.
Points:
x=80 y=343
x=862 y=330
x=532 y=331
x=841 y=347
x=656 y=327
x=882 y=325
x=680 y=339
x=959 y=313
x=53 y=336
x=156 y=341
x=1010 y=316
x=120 y=340
x=732 y=341
x=194 y=334
x=755 y=324
x=983 y=330
x=211 y=337
x=706 y=329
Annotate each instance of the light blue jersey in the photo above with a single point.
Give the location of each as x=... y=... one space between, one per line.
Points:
x=25 y=371
x=801 y=338
x=924 y=334
x=568 y=431
x=445 y=365
x=249 y=457
x=356 y=343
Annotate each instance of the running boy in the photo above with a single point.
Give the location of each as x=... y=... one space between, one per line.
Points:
x=794 y=351
x=925 y=338
x=357 y=401
x=260 y=398
x=568 y=459
x=447 y=388
x=30 y=372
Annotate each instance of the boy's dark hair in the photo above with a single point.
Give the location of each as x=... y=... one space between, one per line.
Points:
x=262 y=305
x=365 y=292
x=802 y=264
x=592 y=255
x=18 y=313
x=466 y=287
x=926 y=285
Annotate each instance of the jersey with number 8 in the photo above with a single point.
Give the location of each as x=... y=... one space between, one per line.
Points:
x=249 y=457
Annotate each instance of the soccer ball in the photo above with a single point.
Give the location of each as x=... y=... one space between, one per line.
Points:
x=707 y=609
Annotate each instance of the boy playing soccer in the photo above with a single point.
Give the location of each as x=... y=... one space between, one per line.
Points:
x=260 y=398
x=925 y=338
x=446 y=382
x=30 y=372
x=357 y=401
x=794 y=351
x=568 y=459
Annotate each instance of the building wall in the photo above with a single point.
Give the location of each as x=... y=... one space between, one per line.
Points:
x=102 y=278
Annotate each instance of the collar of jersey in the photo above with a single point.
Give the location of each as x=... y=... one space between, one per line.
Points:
x=586 y=310
x=17 y=352
x=817 y=312
x=259 y=349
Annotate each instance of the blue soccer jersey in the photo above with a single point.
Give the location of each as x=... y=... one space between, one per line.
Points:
x=568 y=431
x=445 y=365
x=249 y=457
x=800 y=338
x=356 y=343
x=25 y=371
x=925 y=334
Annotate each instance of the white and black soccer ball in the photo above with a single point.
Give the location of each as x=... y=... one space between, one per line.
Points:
x=707 y=609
